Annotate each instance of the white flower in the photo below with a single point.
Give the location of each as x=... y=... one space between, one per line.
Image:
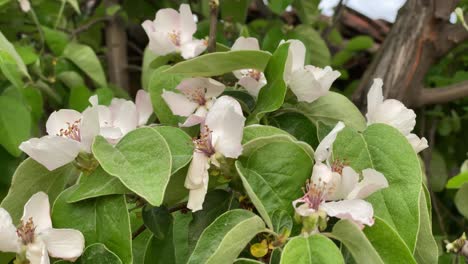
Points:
x=220 y=135
x=25 y=5
x=122 y=116
x=336 y=189
x=196 y=98
x=173 y=32
x=69 y=133
x=35 y=238
x=394 y=113
x=251 y=79
x=307 y=82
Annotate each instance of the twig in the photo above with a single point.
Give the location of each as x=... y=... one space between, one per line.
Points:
x=443 y=94
x=86 y=26
x=140 y=230
x=135 y=47
x=214 y=4
x=60 y=13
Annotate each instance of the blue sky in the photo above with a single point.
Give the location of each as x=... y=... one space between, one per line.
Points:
x=375 y=9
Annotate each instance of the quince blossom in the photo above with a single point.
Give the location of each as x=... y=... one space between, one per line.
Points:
x=172 y=31
x=251 y=79
x=336 y=190
x=196 y=98
x=122 y=116
x=221 y=135
x=307 y=82
x=35 y=239
x=69 y=133
x=394 y=113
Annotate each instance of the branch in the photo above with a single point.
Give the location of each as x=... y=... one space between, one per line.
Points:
x=451 y=36
x=214 y=4
x=443 y=94
x=86 y=26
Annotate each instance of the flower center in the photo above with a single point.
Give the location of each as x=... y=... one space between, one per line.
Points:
x=174 y=36
x=196 y=95
x=72 y=131
x=316 y=193
x=255 y=74
x=204 y=143
x=26 y=231
x=338 y=165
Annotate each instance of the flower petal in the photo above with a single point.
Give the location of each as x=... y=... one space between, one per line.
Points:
x=89 y=127
x=418 y=144
x=124 y=115
x=348 y=181
x=321 y=173
x=9 y=240
x=358 y=211
x=303 y=208
x=375 y=96
x=325 y=76
x=394 y=113
x=305 y=86
x=201 y=87
x=372 y=181
x=324 y=149
x=178 y=103
x=198 y=171
x=38 y=208
x=195 y=119
x=167 y=20
x=243 y=43
x=187 y=24
x=65 y=244
x=226 y=121
x=51 y=151
x=197 y=197
x=296 y=58
x=193 y=48
x=252 y=85
x=143 y=106
x=93 y=100
x=159 y=42
x=25 y=5
x=36 y=253
x=60 y=119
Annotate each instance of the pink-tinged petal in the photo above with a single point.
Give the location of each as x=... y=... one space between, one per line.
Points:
x=159 y=42
x=325 y=76
x=167 y=20
x=358 y=211
x=296 y=58
x=348 y=180
x=213 y=88
x=321 y=173
x=36 y=253
x=375 y=96
x=303 y=208
x=305 y=86
x=105 y=116
x=60 y=119
x=201 y=87
x=65 y=244
x=143 y=106
x=226 y=121
x=38 y=209
x=394 y=113
x=112 y=134
x=243 y=43
x=89 y=127
x=178 y=103
x=9 y=240
x=195 y=119
x=252 y=85
x=197 y=173
x=51 y=151
x=372 y=181
x=124 y=115
x=187 y=23
x=93 y=100
x=25 y=5
x=325 y=147
x=193 y=48
x=418 y=144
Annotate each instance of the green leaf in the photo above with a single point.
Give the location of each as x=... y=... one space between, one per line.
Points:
x=457 y=181
x=247 y=261
x=98 y=253
x=387 y=243
x=160 y=248
x=180 y=238
x=273 y=170
x=213 y=64
x=180 y=144
x=98 y=183
x=157 y=220
x=299 y=126
x=71 y=79
x=438 y=172
x=27 y=53
x=359 y=43
x=216 y=203
x=55 y=40
x=33 y=97
x=74 y=4
x=139 y=245
x=30 y=178
x=85 y=58
x=7 y=47
x=460 y=200
x=102 y=220
x=15 y=124
x=356 y=242
x=271 y=96
x=278 y=6
x=79 y=97
x=147 y=71
x=312 y=249
x=175 y=190
x=330 y=109
x=281 y=221
x=256 y=131
x=141 y=160
x=234 y=10
x=307 y=10
x=317 y=52
x=386 y=150
x=426 y=247
x=10 y=69
x=160 y=81
x=226 y=237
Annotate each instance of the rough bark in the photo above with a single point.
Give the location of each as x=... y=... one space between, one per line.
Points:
x=116 y=43
x=420 y=36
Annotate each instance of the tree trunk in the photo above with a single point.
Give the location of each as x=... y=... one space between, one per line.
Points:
x=420 y=36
